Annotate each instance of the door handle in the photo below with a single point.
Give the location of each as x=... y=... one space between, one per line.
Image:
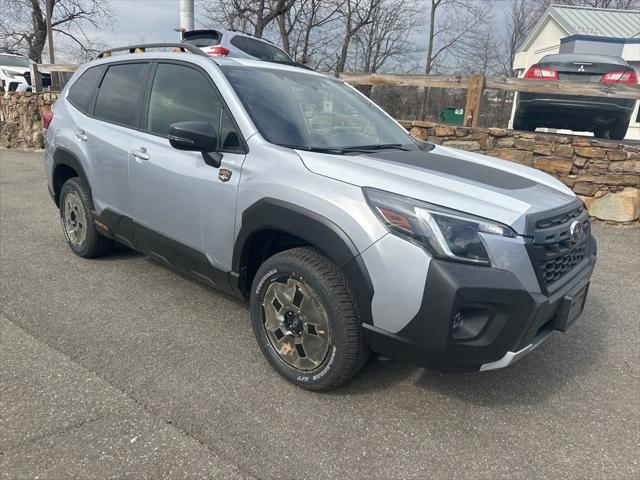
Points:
x=140 y=153
x=80 y=135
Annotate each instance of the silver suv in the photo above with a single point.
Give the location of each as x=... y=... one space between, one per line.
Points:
x=229 y=43
x=293 y=191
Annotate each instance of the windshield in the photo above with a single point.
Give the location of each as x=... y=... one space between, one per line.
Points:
x=14 y=61
x=306 y=111
x=201 y=40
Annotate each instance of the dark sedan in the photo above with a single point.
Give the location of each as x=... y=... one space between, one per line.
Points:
x=605 y=117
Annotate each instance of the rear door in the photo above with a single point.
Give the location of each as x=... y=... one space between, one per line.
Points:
x=116 y=112
x=175 y=193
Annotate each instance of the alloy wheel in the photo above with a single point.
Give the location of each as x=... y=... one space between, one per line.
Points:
x=296 y=324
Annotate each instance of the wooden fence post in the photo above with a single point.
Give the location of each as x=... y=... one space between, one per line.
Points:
x=36 y=78
x=474 y=98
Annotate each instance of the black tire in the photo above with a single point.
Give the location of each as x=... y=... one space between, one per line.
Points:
x=347 y=351
x=618 y=131
x=94 y=243
x=615 y=131
x=520 y=123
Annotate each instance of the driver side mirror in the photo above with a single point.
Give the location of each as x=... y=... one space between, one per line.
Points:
x=196 y=137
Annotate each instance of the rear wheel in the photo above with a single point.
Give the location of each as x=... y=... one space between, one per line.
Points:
x=77 y=221
x=615 y=131
x=521 y=123
x=306 y=321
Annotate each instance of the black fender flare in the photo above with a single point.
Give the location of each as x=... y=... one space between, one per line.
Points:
x=313 y=228
x=62 y=156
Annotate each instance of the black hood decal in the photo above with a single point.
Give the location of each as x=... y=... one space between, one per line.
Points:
x=456 y=167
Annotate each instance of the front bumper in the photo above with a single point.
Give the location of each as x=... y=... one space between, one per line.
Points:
x=480 y=318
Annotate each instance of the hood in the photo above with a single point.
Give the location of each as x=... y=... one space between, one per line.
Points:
x=22 y=70
x=468 y=182
x=18 y=70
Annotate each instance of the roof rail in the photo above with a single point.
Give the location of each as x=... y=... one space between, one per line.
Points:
x=182 y=47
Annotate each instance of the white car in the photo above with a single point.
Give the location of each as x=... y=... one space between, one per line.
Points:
x=15 y=75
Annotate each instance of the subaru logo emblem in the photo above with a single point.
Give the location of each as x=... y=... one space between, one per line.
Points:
x=576 y=231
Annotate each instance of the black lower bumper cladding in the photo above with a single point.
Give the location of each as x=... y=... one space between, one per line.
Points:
x=473 y=315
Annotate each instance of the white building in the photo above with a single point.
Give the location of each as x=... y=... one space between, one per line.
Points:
x=565 y=29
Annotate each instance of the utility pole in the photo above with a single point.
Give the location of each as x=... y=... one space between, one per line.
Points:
x=186 y=15
x=55 y=79
x=49 y=8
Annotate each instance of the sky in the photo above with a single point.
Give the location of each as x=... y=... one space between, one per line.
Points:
x=138 y=20
x=155 y=20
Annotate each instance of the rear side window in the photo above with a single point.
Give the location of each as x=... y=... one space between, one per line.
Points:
x=240 y=42
x=259 y=49
x=122 y=87
x=267 y=52
x=170 y=102
x=82 y=90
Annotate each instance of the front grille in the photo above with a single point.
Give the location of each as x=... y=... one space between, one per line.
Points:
x=559 y=219
x=555 y=268
x=552 y=250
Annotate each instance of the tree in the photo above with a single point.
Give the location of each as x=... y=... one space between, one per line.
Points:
x=23 y=25
x=308 y=25
x=356 y=14
x=386 y=37
x=246 y=15
x=520 y=21
x=450 y=22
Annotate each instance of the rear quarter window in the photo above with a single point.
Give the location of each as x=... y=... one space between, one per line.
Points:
x=82 y=90
x=120 y=93
x=240 y=42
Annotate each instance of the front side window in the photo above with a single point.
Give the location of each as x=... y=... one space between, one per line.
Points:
x=312 y=111
x=82 y=90
x=120 y=92
x=183 y=94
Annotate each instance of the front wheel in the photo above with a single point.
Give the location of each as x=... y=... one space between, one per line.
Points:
x=306 y=321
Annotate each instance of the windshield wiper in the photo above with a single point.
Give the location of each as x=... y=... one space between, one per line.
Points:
x=379 y=146
x=343 y=150
x=338 y=151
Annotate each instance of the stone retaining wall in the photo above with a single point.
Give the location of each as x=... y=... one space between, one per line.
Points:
x=20 y=124
x=605 y=174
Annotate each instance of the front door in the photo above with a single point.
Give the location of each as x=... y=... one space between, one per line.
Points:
x=185 y=208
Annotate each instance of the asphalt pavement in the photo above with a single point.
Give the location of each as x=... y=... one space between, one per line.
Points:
x=122 y=368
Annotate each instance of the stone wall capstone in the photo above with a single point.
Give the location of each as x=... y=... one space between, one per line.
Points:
x=605 y=174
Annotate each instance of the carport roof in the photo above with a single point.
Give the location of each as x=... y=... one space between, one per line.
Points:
x=599 y=22
x=595 y=22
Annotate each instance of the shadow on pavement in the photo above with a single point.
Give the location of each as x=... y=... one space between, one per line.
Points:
x=529 y=381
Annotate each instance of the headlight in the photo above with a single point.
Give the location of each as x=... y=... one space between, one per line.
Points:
x=8 y=74
x=445 y=233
